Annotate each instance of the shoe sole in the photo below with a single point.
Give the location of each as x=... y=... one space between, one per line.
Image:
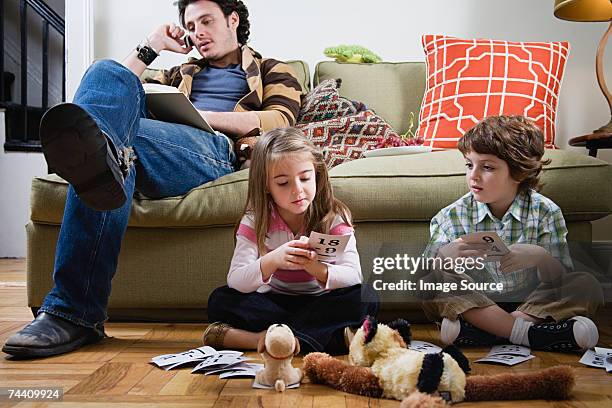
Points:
x=32 y=352
x=78 y=151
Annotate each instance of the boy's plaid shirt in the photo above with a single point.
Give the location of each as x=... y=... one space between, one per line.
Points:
x=531 y=219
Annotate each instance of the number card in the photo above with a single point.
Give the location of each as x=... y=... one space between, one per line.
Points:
x=507 y=354
x=600 y=358
x=170 y=361
x=496 y=246
x=510 y=349
x=328 y=247
x=424 y=347
x=592 y=359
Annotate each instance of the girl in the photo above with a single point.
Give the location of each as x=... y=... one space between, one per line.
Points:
x=275 y=276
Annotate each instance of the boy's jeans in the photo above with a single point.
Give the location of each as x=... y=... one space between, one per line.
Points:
x=165 y=160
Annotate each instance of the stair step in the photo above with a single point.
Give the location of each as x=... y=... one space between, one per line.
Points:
x=14 y=127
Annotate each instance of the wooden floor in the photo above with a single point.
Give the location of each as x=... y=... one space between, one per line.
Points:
x=116 y=372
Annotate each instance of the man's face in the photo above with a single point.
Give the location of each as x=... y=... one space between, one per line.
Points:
x=213 y=34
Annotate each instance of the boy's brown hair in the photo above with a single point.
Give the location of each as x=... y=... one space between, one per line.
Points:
x=514 y=139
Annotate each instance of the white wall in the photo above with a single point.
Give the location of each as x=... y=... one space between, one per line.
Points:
x=293 y=29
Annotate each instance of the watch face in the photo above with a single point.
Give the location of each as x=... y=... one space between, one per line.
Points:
x=146 y=54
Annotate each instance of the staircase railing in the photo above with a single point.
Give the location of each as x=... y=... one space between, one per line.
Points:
x=23 y=119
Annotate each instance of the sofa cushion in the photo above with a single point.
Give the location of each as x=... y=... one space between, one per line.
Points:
x=394 y=188
x=469 y=80
x=324 y=102
x=392 y=90
x=346 y=138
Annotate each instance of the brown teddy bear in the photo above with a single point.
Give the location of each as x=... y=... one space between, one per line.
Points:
x=382 y=366
x=277 y=349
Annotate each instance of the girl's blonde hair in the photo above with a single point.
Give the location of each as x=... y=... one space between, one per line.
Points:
x=269 y=150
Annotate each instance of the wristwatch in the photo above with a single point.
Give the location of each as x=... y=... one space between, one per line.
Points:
x=146 y=53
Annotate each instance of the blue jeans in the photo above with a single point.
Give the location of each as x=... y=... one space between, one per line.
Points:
x=165 y=160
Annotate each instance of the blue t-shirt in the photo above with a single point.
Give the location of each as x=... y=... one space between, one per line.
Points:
x=219 y=89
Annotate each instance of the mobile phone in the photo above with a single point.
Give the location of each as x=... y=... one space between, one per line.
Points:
x=188 y=41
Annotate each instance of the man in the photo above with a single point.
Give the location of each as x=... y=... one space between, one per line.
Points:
x=103 y=145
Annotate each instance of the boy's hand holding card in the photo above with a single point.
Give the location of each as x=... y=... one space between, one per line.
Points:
x=495 y=246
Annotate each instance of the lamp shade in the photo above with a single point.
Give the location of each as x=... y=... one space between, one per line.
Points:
x=584 y=10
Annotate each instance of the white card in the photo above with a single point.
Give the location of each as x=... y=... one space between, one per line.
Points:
x=604 y=351
x=496 y=246
x=268 y=387
x=512 y=349
x=506 y=359
x=169 y=361
x=424 y=347
x=592 y=359
x=508 y=354
x=328 y=247
x=218 y=361
x=240 y=366
x=250 y=370
x=608 y=365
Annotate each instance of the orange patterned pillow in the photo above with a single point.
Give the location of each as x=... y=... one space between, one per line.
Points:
x=468 y=80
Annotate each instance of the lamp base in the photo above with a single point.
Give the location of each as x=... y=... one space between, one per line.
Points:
x=605 y=128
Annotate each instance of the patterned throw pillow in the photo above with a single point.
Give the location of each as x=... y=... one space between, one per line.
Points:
x=468 y=80
x=324 y=103
x=346 y=138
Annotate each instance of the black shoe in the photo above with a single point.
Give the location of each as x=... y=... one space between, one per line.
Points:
x=575 y=334
x=468 y=334
x=77 y=150
x=49 y=335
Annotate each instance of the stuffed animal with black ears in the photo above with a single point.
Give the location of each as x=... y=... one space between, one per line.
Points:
x=381 y=366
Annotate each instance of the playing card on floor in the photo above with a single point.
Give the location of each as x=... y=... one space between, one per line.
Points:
x=170 y=361
x=242 y=366
x=219 y=361
x=507 y=354
x=506 y=359
x=605 y=351
x=593 y=359
x=242 y=370
x=424 y=347
x=510 y=349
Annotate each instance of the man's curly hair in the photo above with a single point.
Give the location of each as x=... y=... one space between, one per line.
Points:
x=227 y=7
x=514 y=139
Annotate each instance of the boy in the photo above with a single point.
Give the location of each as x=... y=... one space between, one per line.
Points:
x=503 y=157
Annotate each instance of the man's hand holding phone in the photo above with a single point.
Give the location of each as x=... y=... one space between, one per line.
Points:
x=170 y=37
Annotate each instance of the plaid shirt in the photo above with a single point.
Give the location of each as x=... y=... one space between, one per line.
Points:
x=531 y=219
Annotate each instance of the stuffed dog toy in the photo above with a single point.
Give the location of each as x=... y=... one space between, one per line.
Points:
x=382 y=366
x=277 y=349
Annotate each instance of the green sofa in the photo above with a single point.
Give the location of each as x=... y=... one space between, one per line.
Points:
x=178 y=249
